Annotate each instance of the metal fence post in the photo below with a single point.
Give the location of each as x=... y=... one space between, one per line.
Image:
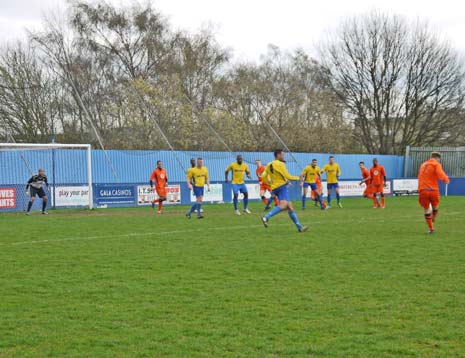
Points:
x=406 y=160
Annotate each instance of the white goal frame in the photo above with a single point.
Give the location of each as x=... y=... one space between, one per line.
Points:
x=38 y=146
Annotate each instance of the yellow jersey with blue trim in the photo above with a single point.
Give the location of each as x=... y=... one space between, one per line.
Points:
x=198 y=175
x=238 y=172
x=311 y=173
x=276 y=174
x=333 y=171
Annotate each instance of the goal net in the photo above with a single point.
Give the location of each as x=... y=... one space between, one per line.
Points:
x=68 y=168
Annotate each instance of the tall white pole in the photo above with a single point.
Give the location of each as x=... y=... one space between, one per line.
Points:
x=89 y=176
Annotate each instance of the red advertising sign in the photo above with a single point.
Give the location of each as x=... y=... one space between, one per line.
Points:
x=7 y=198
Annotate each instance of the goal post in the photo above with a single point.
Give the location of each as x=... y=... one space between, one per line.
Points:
x=73 y=163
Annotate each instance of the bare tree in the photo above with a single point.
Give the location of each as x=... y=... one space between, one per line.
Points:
x=136 y=37
x=163 y=78
x=28 y=98
x=400 y=82
x=121 y=77
x=289 y=94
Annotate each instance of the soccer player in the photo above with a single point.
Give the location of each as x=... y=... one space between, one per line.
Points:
x=277 y=176
x=263 y=187
x=318 y=191
x=199 y=177
x=333 y=172
x=239 y=168
x=35 y=187
x=428 y=176
x=308 y=179
x=378 y=183
x=160 y=178
x=368 y=192
x=193 y=164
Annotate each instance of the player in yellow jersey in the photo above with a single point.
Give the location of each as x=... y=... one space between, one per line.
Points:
x=197 y=177
x=277 y=176
x=193 y=164
x=309 y=178
x=333 y=172
x=239 y=168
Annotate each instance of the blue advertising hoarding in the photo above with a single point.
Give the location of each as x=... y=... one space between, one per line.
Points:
x=115 y=195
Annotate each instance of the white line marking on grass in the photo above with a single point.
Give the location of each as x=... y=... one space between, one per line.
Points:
x=161 y=233
x=157 y=233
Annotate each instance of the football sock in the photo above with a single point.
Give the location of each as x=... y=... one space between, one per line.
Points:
x=246 y=203
x=294 y=218
x=198 y=209
x=329 y=199
x=29 y=206
x=235 y=201
x=160 y=205
x=44 y=205
x=435 y=213
x=265 y=200
x=429 y=221
x=304 y=198
x=320 y=200
x=273 y=212
x=382 y=200
x=338 y=197
x=276 y=201
x=268 y=203
x=193 y=207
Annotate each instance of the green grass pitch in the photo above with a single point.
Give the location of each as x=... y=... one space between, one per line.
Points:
x=131 y=283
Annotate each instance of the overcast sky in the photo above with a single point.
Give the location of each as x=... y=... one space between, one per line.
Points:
x=248 y=26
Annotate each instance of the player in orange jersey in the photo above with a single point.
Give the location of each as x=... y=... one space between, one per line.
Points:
x=160 y=179
x=378 y=182
x=429 y=174
x=317 y=192
x=368 y=192
x=263 y=187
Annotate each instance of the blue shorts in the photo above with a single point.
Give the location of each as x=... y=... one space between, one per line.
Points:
x=332 y=186
x=239 y=188
x=281 y=192
x=311 y=186
x=198 y=191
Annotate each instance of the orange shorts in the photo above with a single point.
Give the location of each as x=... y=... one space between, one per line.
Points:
x=317 y=191
x=161 y=192
x=265 y=187
x=368 y=191
x=428 y=197
x=377 y=188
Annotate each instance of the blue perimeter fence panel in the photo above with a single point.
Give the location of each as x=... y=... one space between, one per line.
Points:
x=136 y=166
x=67 y=169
